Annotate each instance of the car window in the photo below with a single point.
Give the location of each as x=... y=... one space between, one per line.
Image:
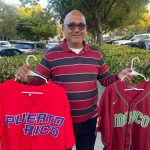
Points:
x=136 y=37
x=142 y=45
x=16 y=52
x=140 y=37
x=40 y=45
x=24 y=46
x=128 y=37
x=144 y=36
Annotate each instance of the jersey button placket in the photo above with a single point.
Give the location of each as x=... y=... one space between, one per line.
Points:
x=128 y=129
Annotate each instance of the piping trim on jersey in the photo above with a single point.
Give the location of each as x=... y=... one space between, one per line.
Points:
x=125 y=103
x=128 y=107
x=120 y=95
x=133 y=109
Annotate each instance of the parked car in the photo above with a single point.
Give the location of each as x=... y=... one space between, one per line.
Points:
x=9 y=51
x=29 y=46
x=112 y=41
x=132 y=38
x=50 y=45
x=5 y=43
x=142 y=44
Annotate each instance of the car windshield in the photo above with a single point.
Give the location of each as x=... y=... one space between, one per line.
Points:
x=4 y=43
x=24 y=46
x=127 y=37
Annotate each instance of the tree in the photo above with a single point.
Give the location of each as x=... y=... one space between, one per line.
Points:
x=7 y=21
x=101 y=15
x=35 y=23
x=142 y=25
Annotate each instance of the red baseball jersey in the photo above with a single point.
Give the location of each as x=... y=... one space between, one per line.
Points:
x=34 y=121
x=124 y=116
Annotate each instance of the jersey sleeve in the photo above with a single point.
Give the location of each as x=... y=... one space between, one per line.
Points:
x=103 y=124
x=0 y=111
x=69 y=133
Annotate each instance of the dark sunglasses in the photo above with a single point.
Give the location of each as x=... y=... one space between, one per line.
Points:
x=72 y=26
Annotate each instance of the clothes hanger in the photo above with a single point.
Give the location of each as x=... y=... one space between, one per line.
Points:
x=135 y=73
x=31 y=73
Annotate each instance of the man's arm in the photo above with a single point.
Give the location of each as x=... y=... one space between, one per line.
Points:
x=124 y=75
x=42 y=69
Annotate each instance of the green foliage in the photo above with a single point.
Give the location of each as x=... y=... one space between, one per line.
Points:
x=120 y=57
x=35 y=23
x=9 y=66
x=8 y=15
x=101 y=15
x=116 y=57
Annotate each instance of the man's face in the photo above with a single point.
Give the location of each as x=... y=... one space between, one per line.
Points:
x=75 y=29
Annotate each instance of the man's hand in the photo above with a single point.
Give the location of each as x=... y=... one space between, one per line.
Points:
x=125 y=75
x=22 y=74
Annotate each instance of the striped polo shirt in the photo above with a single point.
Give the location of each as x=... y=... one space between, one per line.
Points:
x=77 y=74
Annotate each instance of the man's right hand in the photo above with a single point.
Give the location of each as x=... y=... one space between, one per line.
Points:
x=22 y=74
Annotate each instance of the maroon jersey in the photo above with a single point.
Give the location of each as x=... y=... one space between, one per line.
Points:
x=124 y=116
x=34 y=121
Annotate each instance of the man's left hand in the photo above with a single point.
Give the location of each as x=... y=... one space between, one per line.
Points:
x=125 y=75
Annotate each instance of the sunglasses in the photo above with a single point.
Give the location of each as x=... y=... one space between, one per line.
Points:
x=72 y=26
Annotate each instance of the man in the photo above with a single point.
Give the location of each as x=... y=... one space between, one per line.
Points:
x=76 y=66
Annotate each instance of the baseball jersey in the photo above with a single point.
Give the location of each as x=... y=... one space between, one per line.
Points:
x=124 y=116
x=34 y=121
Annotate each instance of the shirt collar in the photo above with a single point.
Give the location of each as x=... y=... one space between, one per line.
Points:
x=65 y=46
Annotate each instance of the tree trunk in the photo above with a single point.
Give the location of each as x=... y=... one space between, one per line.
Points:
x=99 y=30
x=99 y=34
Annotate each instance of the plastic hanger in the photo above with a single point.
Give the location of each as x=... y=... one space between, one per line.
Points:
x=134 y=88
x=31 y=73
x=135 y=72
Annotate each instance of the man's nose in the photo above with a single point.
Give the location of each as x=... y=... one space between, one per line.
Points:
x=76 y=29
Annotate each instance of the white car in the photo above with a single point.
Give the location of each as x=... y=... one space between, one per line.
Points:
x=50 y=45
x=29 y=46
x=132 y=38
x=5 y=43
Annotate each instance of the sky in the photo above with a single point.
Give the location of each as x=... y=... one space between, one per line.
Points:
x=41 y=2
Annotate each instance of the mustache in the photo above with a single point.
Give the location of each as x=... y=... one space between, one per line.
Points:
x=76 y=34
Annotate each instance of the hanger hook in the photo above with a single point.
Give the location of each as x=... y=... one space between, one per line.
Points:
x=27 y=59
x=136 y=58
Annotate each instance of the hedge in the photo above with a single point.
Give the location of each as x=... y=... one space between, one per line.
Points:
x=120 y=57
x=116 y=57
